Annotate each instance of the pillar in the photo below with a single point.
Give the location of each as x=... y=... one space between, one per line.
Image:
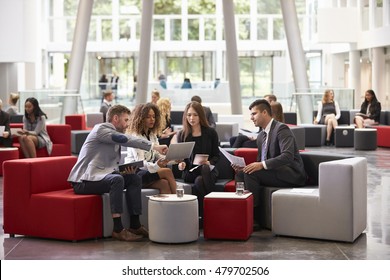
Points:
x=354 y=76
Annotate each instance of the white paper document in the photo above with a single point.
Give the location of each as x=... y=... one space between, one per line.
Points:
x=2 y=128
x=239 y=161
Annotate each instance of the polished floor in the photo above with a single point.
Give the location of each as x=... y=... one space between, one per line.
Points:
x=373 y=244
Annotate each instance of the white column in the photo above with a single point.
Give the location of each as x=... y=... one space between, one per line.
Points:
x=354 y=76
x=298 y=59
x=77 y=55
x=378 y=73
x=144 y=51
x=386 y=13
x=232 y=57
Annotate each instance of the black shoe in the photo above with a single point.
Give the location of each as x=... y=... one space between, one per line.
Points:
x=327 y=143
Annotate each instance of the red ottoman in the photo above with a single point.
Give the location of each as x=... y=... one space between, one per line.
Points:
x=383 y=139
x=7 y=154
x=228 y=216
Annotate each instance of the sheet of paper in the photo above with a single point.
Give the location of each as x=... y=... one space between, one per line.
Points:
x=239 y=161
x=199 y=158
x=2 y=128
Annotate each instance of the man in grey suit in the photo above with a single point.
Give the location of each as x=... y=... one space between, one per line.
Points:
x=278 y=162
x=96 y=170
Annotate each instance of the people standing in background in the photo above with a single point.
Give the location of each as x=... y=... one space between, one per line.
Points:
x=103 y=81
x=108 y=97
x=145 y=123
x=328 y=113
x=5 y=137
x=207 y=110
x=166 y=132
x=114 y=81
x=370 y=111
x=12 y=109
x=34 y=134
x=134 y=87
x=155 y=96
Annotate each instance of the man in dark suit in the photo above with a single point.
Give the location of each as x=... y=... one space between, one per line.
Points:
x=96 y=170
x=207 y=110
x=278 y=162
x=108 y=97
x=5 y=138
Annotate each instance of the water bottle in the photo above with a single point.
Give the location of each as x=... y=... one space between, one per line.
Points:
x=179 y=191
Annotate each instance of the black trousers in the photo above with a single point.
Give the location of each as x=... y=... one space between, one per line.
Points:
x=114 y=184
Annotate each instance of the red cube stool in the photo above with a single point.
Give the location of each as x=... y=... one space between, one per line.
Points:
x=7 y=154
x=228 y=216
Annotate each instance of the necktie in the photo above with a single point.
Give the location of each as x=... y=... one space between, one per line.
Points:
x=264 y=147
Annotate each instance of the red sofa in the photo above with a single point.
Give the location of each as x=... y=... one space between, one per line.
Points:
x=383 y=133
x=76 y=121
x=38 y=201
x=59 y=135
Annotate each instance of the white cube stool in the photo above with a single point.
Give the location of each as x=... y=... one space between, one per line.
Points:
x=173 y=219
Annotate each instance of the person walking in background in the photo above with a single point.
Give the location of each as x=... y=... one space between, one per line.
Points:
x=207 y=110
x=13 y=99
x=279 y=162
x=328 y=113
x=166 y=132
x=145 y=123
x=108 y=97
x=196 y=129
x=96 y=171
x=370 y=111
x=34 y=134
x=5 y=137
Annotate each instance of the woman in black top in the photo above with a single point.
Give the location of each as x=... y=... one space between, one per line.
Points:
x=370 y=111
x=196 y=128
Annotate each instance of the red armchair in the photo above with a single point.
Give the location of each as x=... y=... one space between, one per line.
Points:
x=59 y=135
x=38 y=201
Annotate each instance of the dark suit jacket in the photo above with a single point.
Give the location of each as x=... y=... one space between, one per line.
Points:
x=4 y=121
x=104 y=109
x=209 y=116
x=283 y=154
x=375 y=110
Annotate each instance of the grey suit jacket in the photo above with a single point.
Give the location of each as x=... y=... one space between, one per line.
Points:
x=100 y=153
x=283 y=154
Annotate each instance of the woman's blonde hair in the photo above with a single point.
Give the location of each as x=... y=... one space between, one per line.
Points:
x=164 y=105
x=327 y=98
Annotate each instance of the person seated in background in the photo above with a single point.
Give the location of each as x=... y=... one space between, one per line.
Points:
x=196 y=129
x=162 y=80
x=5 y=137
x=186 y=84
x=108 y=97
x=12 y=109
x=207 y=110
x=370 y=111
x=250 y=142
x=328 y=113
x=155 y=96
x=270 y=98
x=166 y=132
x=34 y=134
x=145 y=123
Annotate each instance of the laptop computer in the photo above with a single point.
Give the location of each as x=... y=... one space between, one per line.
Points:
x=179 y=151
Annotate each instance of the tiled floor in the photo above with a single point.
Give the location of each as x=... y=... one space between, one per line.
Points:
x=373 y=244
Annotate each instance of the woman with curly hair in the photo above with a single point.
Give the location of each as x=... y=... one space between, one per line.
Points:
x=34 y=134
x=166 y=133
x=145 y=122
x=370 y=111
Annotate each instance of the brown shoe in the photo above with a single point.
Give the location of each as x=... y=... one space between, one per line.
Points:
x=125 y=235
x=140 y=231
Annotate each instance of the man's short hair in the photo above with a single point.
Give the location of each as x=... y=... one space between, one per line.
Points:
x=107 y=93
x=261 y=105
x=271 y=97
x=117 y=110
x=197 y=99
